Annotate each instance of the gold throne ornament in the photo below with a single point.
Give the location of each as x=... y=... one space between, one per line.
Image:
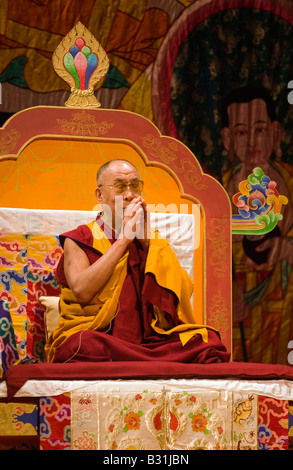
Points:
x=81 y=62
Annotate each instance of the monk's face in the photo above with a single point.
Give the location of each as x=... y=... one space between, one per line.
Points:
x=116 y=173
x=250 y=135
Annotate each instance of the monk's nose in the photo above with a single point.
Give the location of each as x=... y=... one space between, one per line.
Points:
x=128 y=195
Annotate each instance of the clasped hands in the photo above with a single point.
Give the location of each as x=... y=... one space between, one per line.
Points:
x=136 y=222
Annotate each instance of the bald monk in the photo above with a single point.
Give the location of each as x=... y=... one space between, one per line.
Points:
x=125 y=297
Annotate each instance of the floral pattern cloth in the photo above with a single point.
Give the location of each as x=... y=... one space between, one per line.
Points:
x=27 y=272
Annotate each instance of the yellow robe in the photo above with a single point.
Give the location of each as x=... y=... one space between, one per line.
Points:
x=161 y=262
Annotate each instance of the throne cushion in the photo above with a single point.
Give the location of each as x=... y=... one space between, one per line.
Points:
x=51 y=314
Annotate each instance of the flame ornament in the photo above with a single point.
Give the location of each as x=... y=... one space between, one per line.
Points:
x=81 y=62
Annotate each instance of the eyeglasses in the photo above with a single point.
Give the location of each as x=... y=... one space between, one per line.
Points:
x=136 y=187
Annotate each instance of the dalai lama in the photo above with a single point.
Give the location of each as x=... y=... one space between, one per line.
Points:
x=124 y=296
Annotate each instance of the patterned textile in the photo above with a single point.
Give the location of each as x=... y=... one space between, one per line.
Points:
x=43 y=255
x=273 y=419
x=145 y=419
x=127 y=416
x=55 y=423
x=111 y=418
x=27 y=271
x=19 y=425
x=8 y=348
x=13 y=284
x=19 y=419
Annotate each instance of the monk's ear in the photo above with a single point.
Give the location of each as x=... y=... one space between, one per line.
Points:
x=98 y=194
x=226 y=138
x=277 y=139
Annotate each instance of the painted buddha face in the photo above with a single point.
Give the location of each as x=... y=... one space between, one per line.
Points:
x=251 y=135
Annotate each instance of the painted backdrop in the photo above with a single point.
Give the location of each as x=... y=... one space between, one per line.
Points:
x=213 y=73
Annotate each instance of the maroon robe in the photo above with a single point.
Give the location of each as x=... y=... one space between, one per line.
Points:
x=130 y=336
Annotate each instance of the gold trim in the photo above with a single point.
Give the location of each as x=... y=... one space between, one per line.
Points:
x=219 y=246
x=8 y=140
x=83 y=124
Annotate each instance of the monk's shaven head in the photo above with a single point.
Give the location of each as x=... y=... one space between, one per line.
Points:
x=106 y=165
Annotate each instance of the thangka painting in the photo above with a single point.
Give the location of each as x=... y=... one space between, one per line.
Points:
x=224 y=85
x=213 y=74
